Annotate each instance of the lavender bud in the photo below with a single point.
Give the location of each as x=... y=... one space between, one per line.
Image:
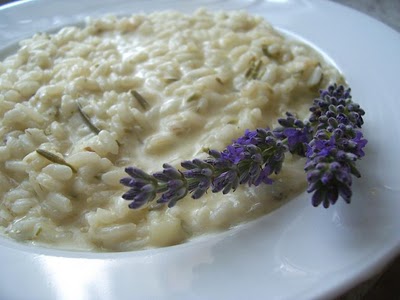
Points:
x=340 y=109
x=332 y=108
x=338 y=133
x=332 y=195
x=333 y=122
x=323 y=119
x=322 y=135
x=170 y=171
x=127 y=181
x=313 y=176
x=345 y=193
x=299 y=124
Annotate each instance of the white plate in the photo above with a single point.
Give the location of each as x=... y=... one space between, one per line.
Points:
x=296 y=252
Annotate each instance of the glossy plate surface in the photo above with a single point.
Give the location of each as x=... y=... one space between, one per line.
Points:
x=296 y=252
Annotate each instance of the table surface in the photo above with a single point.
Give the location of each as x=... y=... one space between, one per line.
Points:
x=383 y=285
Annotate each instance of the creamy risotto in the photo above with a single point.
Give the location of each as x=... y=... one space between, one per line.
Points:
x=78 y=106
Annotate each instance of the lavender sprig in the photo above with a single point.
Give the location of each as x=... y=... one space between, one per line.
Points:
x=336 y=146
x=330 y=139
x=251 y=159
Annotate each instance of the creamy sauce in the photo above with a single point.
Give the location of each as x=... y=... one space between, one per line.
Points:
x=196 y=73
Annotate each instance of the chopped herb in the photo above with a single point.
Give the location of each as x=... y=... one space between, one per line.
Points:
x=38 y=231
x=251 y=67
x=143 y=103
x=256 y=71
x=170 y=80
x=219 y=80
x=193 y=97
x=261 y=74
x=265 y=50
x=54 y=158
x=253 y=72
x=276 y=55
x=89 y=149
x=87 y=120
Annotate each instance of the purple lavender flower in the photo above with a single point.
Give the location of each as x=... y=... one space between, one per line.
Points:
x=250 y=159
x=172 y=184
x=337 y=145
x=142 y=186
x=198 y=175
x=330 y=140
x=249 y=137
x=226 y=174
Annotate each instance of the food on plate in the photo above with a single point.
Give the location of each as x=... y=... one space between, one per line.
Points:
x=79 y=105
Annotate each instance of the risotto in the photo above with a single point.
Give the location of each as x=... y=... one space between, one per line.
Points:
x=79 y=105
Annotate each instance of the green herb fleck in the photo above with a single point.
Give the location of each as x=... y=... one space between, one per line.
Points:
x=219 y=80
x=253 y=71
x=193 y=97
x=170 y=80
x=54 y=158
x=265 y=50
x=143 y=103
x=87 y=120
